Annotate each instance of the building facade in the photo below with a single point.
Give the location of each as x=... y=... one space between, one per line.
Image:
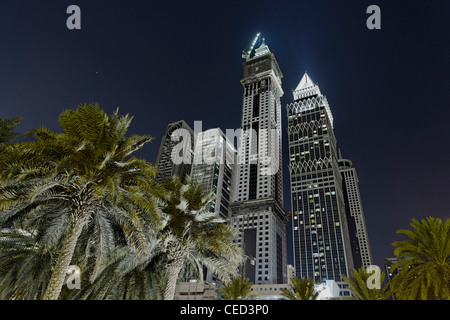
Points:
x=179 y=138
x=196 y=290
x=390 y=272
x=257 y=212
x=213 y=167
x=321 y=243
x=359 y=240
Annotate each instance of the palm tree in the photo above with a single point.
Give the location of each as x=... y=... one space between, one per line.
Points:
x=194 y=236
x=424 y=261
x=82 y=182
x=301 y=289
x=6 y=135
x=24 y=269
x=6 y=129
x=237 y=289
x=357 y=283
x=189 y=237
x=126 y=274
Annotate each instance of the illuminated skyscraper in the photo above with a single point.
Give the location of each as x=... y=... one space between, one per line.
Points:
x=214 y=160
x=258 y=213
x=359 y=239
x=213 y=167
x=321 y=241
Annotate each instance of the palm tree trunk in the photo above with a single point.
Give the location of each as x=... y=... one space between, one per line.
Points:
x=173 y=271
x=65 y=257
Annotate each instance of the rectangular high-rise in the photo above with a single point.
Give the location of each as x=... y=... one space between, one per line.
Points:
x=258 y=210
x=359 y=239
x=213 y=167
x=321 y=242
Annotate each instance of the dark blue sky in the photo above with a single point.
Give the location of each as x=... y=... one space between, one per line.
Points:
x=162 y=61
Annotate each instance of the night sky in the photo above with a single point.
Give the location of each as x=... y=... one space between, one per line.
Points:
x=163 y=61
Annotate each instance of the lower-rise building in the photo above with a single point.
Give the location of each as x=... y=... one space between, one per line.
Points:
x=194 y=290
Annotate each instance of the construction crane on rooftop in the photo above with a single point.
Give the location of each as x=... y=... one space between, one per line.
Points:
x=246 y=54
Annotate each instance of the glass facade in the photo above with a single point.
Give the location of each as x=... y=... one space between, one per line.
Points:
x=320 y=232
x=214 y=160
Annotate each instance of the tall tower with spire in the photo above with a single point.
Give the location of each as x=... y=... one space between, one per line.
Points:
x=258 y=208
x=321 y=243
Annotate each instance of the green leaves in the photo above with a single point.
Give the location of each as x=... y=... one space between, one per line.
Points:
x=423 y=267
x=81 y=197
x=80 y=184
x=357 y=283
x=424 y=261
x=198 y=236
x=6 y=129
x=24 y=270
x=237 y=289
x=301 y=289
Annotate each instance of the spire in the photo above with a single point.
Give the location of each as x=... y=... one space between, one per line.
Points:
x=306 y=88
x=306 y=82
x=263 y=48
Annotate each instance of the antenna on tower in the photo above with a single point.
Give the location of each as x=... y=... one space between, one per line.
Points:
x=248 y=51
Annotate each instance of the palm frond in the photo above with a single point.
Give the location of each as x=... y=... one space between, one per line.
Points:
x=423 y=261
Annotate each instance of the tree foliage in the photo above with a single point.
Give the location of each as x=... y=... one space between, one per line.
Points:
x=300 y=289
x=82 y=197
x=195 y=236
x=237 y=289
x=82 y=186
x=423 y=261
x=357 y=284
x=6 y=130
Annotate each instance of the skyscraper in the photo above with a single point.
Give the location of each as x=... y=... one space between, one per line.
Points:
x=213 y=167
x=184 y=139
x=359 y=239
x=321 y=242
x=258 y=213
x=214 y=161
